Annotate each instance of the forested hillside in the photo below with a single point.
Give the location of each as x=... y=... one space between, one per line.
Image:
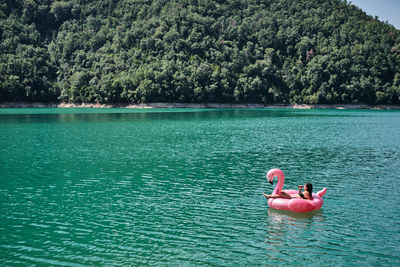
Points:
x=195 y=51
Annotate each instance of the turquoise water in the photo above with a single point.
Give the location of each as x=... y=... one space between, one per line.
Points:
x=117 y=187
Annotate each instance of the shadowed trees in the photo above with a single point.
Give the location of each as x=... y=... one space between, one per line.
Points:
x=236 y=51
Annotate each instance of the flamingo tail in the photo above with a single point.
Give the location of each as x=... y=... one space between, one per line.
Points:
x=322 y=192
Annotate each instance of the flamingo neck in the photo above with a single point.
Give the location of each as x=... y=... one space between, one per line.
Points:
x=279 y=185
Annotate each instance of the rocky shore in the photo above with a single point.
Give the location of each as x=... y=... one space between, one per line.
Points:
x=192 y=105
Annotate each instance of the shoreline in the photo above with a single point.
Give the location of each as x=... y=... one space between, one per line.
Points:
x=196 y=105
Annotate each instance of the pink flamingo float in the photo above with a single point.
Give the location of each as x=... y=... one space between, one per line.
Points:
x=292 y=204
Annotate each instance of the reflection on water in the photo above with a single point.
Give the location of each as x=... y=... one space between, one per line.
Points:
x=278 y=216
x=105 y=115
x=290 y=232
x=281 y=221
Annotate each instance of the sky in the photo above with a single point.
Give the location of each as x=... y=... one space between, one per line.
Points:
x=386 y=10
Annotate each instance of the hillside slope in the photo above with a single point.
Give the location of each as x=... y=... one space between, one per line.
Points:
x=138 y=51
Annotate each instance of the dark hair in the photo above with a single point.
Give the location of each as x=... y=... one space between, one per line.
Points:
x=309 y=188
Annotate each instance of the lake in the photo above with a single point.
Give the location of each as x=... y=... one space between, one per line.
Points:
x=118 y=187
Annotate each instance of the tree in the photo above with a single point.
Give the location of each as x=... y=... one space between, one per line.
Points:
x=196 y=51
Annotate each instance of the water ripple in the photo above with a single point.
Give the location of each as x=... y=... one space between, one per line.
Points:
x=185 y=188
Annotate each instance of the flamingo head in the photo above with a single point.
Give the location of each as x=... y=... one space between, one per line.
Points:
x=272 y=173
x=270 y=179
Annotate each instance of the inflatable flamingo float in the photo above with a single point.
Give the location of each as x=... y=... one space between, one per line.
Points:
x=293 y=204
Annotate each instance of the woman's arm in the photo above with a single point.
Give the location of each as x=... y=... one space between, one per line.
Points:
x=300 y=187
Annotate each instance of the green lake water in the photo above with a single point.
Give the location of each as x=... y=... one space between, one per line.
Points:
x=120 y=187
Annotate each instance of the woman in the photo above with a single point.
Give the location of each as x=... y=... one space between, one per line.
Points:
x=306 y=194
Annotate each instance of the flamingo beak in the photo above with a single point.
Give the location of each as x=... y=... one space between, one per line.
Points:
x=271 y=182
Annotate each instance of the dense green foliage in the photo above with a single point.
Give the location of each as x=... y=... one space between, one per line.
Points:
x=236 y=51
